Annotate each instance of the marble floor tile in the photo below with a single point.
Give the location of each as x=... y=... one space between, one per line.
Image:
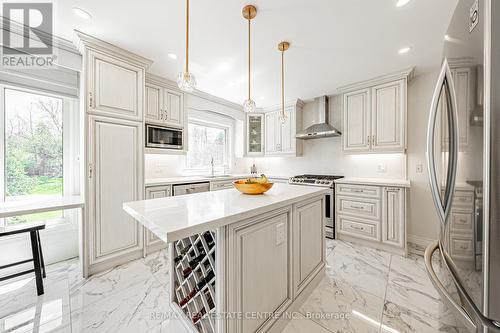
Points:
x=138 y=309
x=101 y=286
x=300 y=324
x=330 y=244
x=158 y=264
x=343 y=307
x=365 y=269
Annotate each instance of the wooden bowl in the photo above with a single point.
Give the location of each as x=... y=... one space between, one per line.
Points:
x=253 y=189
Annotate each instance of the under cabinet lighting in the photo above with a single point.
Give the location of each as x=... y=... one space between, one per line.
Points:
x=82 y=13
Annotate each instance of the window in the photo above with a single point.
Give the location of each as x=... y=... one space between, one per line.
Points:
x=207 y=141
x=32 y=150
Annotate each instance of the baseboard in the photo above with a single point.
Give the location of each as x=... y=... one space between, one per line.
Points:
x=418 y=244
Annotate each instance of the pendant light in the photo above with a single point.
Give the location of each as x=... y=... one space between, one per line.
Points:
x=283 y=46
x=249 y=12
x=185 y=80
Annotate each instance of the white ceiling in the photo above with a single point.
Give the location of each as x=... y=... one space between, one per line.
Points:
x=333 y=42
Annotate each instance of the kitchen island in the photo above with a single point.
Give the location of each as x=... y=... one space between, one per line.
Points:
x=238 y=262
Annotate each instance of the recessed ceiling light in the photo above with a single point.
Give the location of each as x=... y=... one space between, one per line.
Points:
x=82 y=13
x=401 y=3
x=404 y=50
x=172 y=56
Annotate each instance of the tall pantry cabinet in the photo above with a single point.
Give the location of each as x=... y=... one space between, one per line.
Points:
x=112 y=85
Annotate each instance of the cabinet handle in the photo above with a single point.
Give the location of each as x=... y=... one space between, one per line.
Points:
x=357 y=228
x=368 y=139
x=356 y=190
x=161 y=114
x=166 y=114
x=91 y=102
x=90 y=170
x=373 y=139
x=357 y=207
x=464 y=247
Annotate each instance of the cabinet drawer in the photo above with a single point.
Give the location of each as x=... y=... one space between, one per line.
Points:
x=461 y=221
x=361 y=207
x=216 y=186
x=358 y=228
x=463 y=198
x=462 y=247
x=358 y=190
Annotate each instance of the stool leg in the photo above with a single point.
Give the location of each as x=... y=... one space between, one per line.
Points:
x=41 y=253
x=36 y=262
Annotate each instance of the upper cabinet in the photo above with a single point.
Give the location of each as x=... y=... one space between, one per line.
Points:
x=255 y=134
x=164 y=105
x=115 y=87
x=279 y=137
x=374 y=114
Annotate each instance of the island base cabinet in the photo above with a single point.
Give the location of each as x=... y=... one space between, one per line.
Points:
x=151 y=242
x=259 y=270
x=308 y=243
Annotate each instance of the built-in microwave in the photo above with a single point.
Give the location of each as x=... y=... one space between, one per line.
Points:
x=163 y=137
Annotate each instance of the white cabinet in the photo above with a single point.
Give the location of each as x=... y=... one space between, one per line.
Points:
x=164 y=106
x=255 y=134
x=115 y=86
x=259 y=268
x=374 y=114
x=356 y=136
x=372 y=215
x=308 y=242
x=280 y=137
x=221 y=185
x=393 y=214
x=114 y=236
x=153 y=243
x=388 y=116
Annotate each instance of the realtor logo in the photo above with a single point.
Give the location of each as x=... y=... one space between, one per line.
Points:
x=27 y=35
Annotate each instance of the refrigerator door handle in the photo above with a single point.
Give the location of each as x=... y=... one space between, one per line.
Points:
x=445 y=80
x=445 y=296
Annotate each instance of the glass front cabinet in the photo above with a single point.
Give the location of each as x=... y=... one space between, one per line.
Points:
x=255 y=134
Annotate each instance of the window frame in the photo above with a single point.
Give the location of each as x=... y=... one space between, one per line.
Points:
x=228 y=146
x=70 y=146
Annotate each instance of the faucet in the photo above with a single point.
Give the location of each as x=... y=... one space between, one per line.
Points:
x=212 y=164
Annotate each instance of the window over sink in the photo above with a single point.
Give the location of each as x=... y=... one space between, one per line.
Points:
x=207 y=141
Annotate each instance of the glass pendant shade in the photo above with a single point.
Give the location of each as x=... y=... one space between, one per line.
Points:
x=283 y=117
x=186 y=81
x=249 y=106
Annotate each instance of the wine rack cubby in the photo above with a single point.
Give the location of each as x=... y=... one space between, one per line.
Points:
x=194 y=279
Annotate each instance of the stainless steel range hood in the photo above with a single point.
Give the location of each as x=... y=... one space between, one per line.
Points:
x=321 y=128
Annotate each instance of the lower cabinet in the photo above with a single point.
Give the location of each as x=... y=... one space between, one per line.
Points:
x=113 y=237
x=272 y=260
x=308 y=241
x=221 y=185
x=461 y=232
x=259 y=253
x=153 y=243
x=372 y=215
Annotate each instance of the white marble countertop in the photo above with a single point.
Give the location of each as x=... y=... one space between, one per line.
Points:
x=174 y=218
x=194 y=179
x=374 y=181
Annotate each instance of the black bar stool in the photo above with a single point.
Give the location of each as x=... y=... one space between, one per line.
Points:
x=36 y=250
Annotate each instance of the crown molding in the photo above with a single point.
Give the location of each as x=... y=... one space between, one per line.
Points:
x=83 y=41
x=461 y=62
x=404 y=74
x=161 y=81
x=17 y=28
x=297 y=103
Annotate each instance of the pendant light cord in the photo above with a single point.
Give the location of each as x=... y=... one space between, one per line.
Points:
x=187 y=37
x=283 y=82
x=249 y=59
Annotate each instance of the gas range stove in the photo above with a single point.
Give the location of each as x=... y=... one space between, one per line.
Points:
x=314 y=180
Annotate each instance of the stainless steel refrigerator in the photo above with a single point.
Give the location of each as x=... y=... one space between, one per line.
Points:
x=463 y=155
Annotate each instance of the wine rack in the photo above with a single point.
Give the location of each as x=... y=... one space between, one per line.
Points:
x=194 y=279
